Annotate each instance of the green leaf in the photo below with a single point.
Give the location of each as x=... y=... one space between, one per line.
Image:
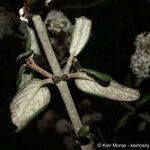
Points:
x=81 y=33
x=32 y=43
x=23 y=77
x=101 y=78
x=31 y=47
x=28 y=102
x=114 y=91
x=84 y=131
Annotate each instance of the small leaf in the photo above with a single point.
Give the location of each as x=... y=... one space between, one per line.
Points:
x=101 y=78
x=28 y=102
x=32 y=43
x=81 y=33
x=23 y=77
x=114 y=91
x=84 y=131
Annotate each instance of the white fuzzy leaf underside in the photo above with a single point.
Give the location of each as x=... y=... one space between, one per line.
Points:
x=114 y=91
x=28 y=101
x=81 y=33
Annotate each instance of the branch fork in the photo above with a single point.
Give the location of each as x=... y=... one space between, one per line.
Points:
x=58 y=76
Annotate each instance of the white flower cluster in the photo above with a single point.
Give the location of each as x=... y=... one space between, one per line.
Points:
x=57 y=22
x=140 y=60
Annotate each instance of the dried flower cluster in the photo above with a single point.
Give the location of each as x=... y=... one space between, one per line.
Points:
x=140 y=60
x=57 y=22
x=60 y=29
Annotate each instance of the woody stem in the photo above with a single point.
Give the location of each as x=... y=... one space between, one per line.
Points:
x=62 y=85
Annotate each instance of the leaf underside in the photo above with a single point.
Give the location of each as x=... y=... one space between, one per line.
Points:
x=81 y=33
x=114 y=91
x=28 y=102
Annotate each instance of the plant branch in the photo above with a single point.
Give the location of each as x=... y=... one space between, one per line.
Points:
x=145 y=117
x=68 y=64
x=44 y=39
x=62 y=86
x=87 y=6
x=31 y=64
x=128 y=106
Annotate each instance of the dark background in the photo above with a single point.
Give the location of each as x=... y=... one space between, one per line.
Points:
x=115 y=26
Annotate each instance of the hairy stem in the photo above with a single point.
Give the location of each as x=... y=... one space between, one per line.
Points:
x=68 y=64
x=62 y=86
x=31 y=64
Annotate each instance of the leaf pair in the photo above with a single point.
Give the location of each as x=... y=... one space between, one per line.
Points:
x=101 y=84
x=32 y=97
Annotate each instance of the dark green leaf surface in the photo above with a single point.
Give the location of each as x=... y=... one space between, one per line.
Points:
x=101 y=78
x=114 y=91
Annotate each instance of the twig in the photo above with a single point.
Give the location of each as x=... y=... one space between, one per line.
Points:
x=145 y=117
x=128 y=106
x=93 y=4
x=62 y=86
x=31 y=64
x=68 y=64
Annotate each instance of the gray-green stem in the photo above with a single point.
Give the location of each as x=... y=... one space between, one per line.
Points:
x=62 y=86
x=69 y=64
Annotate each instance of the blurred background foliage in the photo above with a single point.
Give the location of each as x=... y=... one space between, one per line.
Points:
x=116 y=23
